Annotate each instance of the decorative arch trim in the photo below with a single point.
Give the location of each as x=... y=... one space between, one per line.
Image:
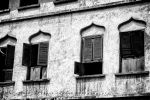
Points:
x=6 y=37
x=130 y=20
x=38 y=33
x=89 y=26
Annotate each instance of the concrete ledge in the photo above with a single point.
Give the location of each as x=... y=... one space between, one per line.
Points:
x=36 y=81
x=72 y=10
x=132 y=73
x=91 y=76
x=7 y=83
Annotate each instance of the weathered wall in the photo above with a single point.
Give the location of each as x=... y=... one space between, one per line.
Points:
x=64 y=50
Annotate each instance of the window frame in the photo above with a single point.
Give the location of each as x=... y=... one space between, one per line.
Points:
x=30 y=66
x=133 y=55
x=5 y=69
x=21 y=6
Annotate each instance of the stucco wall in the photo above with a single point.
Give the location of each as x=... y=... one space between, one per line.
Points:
x=65 y=46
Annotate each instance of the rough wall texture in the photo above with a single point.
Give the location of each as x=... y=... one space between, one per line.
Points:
x=65 y=46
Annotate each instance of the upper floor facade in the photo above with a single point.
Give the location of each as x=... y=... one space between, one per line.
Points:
x=73 y=50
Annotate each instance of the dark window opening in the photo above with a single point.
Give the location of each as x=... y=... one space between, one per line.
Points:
x=7 y=61
x=28 y=2
x=132 y=51
x=4 y=5
x=35 y=58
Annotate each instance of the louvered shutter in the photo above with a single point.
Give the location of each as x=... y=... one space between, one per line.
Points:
x=43 y=53
x=10 y=56
x=125 y=44
x=8 y=75
x=97 y=48
x=26 y=54
x=87 y=49
x=137 y=43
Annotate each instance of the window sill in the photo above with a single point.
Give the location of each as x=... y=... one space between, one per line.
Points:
x=132 y=73
x=36 y=81
x=29 y=6
x=63 y=1
x=7 y=83
x=91 y=76
x=4 y=10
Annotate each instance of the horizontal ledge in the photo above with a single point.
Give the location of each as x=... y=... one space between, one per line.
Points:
x=29 y=6
x=132 y=73
x=91 y=76
x=7 y=83
x=69 y=11
x=36 y=81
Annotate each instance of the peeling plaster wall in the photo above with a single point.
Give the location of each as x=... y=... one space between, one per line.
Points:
x=65 y=46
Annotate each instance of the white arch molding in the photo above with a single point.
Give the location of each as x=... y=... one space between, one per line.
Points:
x=131 y=25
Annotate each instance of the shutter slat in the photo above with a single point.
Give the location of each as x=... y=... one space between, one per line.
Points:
x=26 y=54
x=10 y=56
x=87 y=52
x=43 y=53
x=97 y=49
x=125 y=44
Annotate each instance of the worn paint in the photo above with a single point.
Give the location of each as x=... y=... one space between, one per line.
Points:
x=65 y=46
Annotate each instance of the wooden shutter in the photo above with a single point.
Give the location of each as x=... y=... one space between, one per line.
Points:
x=26 y=54
x=44 y=72
x=77 y=68
x=43 y=53
x=10 y=56
x=125 y=44
x=137 y=43
x=35 y=73
x=87 y=49
x=8 y=75
x=97 y=48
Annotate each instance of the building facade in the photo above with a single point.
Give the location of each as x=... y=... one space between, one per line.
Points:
x=74 y=49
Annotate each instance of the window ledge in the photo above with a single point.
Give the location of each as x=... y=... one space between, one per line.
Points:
x=7 y=83
x=132 y=73
x=91 y=76
x=36 y=81
x=63 y=1
x=29 y=6
x=5 y=10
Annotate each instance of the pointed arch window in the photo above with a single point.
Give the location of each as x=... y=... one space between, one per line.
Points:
x=91 y=51
x=35 y=56
x=132 y=46
x=7 y=52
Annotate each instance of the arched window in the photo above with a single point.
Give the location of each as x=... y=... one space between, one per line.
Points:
x=132 y=46
x=35 y=55
x=91 y=51
x=7 y=51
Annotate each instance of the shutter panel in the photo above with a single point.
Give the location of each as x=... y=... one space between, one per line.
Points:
x=43 y=53
x=8 y=75
x=97 y=48
x=35 y=73
x=87 y=50
x=10 y=56
x=77 y=68
x=137 y=42
x=44 y=72
x=125 y=44
x=26 y=54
